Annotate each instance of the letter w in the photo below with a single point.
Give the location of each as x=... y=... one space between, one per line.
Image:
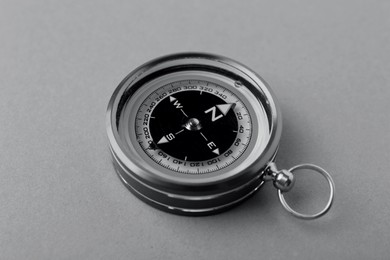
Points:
x=177 y=104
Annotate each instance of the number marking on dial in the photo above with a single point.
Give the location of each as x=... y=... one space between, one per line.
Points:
x=198 y=126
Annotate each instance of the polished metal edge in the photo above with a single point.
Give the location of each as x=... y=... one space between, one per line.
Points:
x=136 y=170
x=194 y=201
x=188 y=211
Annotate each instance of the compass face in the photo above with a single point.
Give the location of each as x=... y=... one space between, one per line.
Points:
x=193 y=126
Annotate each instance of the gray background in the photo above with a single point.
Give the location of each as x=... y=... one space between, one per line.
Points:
x=327 y=61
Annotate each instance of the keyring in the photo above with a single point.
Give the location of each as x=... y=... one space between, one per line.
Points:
x=331 y=192
x=196 y=134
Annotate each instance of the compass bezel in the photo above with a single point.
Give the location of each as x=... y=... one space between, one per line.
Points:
x=181 y=193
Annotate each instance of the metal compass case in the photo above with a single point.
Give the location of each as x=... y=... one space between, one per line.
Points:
x=196 y=134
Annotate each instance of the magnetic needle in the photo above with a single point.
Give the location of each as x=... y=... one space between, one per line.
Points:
x=196 y=133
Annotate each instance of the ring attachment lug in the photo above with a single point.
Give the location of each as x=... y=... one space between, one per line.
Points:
x=284 y=180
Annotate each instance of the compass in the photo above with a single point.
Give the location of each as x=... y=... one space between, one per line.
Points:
x=196 y=134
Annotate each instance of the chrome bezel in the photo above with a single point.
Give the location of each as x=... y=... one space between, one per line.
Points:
x=185 y=194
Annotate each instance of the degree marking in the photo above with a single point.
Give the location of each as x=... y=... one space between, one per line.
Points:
x=203 y=136
x=179 y=132
x=183 y=112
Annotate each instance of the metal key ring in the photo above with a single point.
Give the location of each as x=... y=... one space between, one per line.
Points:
x=331 y=192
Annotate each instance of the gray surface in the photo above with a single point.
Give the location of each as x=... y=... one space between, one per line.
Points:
x=327 y=61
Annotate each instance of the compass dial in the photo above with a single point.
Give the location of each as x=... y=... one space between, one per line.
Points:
x=193 y=126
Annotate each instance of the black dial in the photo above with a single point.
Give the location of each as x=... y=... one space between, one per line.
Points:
x=193 y=126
